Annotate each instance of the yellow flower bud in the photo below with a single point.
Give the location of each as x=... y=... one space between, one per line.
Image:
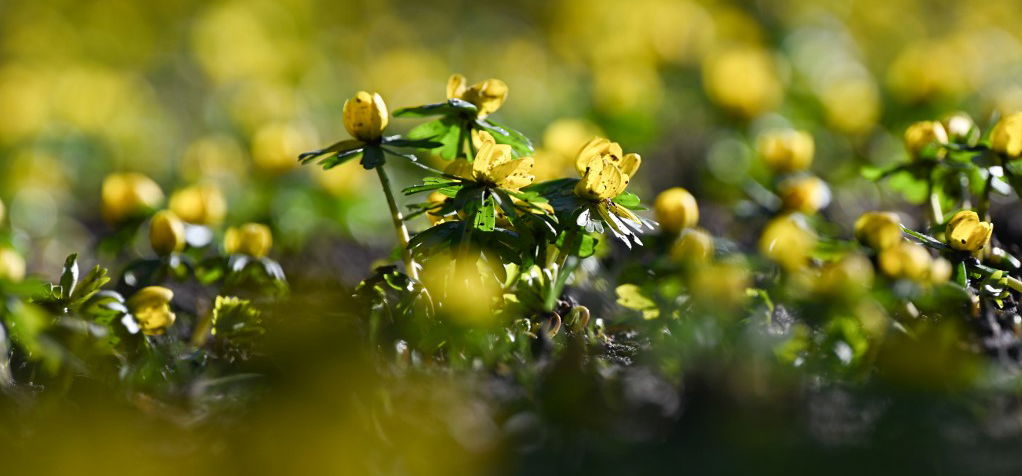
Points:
x=676 y=209
x=166 y=233
x=125 y=195
x=786 y=150
x=850 y=276
x=694 y=245
x=276 y=146
x=1006 y=137
x=743 y=80
x=12 y=265
x=365 y=116
x=878 y=230
x=804 y=194
x=253 y=239
x=720 y=286
x=925 y=140
x=151 y=308
x=906 y=260
x=202 y=204
x=788 y=242
x=960 y=128
x=966 y=232
x=487 y=96
x=940 y=271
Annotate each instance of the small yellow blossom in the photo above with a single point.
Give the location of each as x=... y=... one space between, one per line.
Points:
x=1006 y=137
x=960 y=128
x=878 y=230
x=487 y=95
x=125 y=195
x=788 y=242
x=201 y=204
x=12 y=265
x=605 y=169
x=253 y=239
x=807 y=194
x=786 y=151
x=966 y=232
x=925 y=139
x=365 y=116
x=906 y=260
x=166 y=233
x=151 y=308
x=495 y=165
x=849 y=276
x=693 y=246
x=676 y=209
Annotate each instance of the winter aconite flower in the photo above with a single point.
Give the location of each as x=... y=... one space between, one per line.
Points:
x=201 y=204
x=365 y=116
x=253 y=239
x=693 y=246
x=166 y=233
x=487 y=96
x=925 y=140
x=849 y=276
x=805 y=194
x=676 y=209
x=605 y=169
x=1006 y=137
x=12 y=265
x=908 y=260
x=960 y=128
x=966 y=232
x=786 y=151
x=495 y=165
x=878 y=230
x=151 y=308
x=788 y=241
x=125 y=195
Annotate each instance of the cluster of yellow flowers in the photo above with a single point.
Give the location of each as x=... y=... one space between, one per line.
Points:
x=898 y=257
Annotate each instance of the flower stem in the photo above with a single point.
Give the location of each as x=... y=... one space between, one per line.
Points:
x=399 y=224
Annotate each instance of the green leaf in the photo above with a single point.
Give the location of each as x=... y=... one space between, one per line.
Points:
x=628 y=200
x=446 y=131
x=338 y=148
x=372 y=157
x=486 y=216
x=520 y=145
x=331 y=162
x=431 y=183
x=89 y=285
x=69 y=277
x=398 y=141
x=451 y=107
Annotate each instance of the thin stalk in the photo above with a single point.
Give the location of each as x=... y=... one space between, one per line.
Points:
x=399 y=224
x=936 y=214
x=984 y=202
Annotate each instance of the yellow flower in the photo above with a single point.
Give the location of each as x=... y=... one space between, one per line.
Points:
x=128 y=194
x=494 y=165
x=12 y=265
x=605 y=169
x=694 y=245
x=166 y=233
x=253 y=239
x=365 y=116
x=849 y=276
x=201 y=204
x=676 y=209
x=487 y=96
x=878 y=230
x=275 y=146
x=925 y=139
x=786 y=150
x=743 y=80
x=151 y=308
x=966 y=232
x=806 y=194
x=940 y=270
x=435 y=199
x=960 y=128
x=906 y=260
x=720 y=286
x=788 y=242
x=1006 y=137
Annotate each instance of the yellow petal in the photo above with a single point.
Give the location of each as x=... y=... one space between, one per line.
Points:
x=460 y=168
x=630 y=164
x=595 y=149
x=513 y=175
x=488 y=96
x=365 y=116
x=602 y=180
x=490 y=156
x=456 y=86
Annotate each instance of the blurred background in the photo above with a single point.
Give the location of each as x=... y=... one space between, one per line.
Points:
x=229 y=92
x=226 y=94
